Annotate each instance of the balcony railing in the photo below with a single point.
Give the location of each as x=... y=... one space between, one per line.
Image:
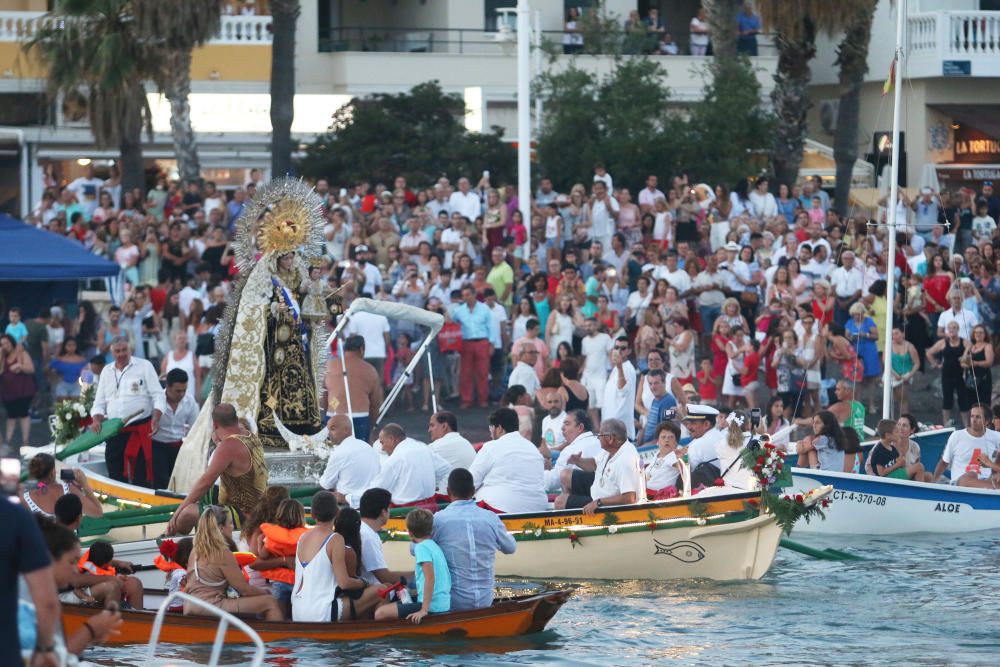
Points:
x=477 y=41
x=953 y=43
x=22 y=26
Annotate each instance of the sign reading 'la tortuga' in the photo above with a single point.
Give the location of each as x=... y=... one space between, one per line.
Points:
x=975 y=146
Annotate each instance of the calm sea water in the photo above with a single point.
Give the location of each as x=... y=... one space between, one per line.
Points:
x=912 y=601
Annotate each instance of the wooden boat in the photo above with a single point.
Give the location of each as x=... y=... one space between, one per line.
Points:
x=675 y=508
x=506 y=618
x=728 y=546
x=869 y=505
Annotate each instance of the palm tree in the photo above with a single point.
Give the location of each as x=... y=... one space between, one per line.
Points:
x=91 y=49
x=176 y=27
x=796 y=25
x=852 y=57
x=284 y=14
x=722 y=25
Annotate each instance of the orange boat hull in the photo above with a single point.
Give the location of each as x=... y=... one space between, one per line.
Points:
x=511 y=618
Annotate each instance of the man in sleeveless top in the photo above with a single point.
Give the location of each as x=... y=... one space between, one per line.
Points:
x=237 y=464
x=849 y=413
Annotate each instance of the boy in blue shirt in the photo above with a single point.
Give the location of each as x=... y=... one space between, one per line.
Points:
x=16 y=327
x=431 y=574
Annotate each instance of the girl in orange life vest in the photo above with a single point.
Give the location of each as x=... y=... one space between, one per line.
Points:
x=251 y=539
x=278 y=555
x=173 y=561
x=98 y=562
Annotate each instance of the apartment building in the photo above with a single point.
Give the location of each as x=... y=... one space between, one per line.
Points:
x=344 y=48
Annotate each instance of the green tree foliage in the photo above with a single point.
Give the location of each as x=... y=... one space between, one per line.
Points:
x=419 y=134
x=624 y=121
x=729 y=130
x=618 y=120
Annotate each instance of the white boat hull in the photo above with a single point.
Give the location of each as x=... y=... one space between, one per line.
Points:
x=729 y=551
x=867 y=505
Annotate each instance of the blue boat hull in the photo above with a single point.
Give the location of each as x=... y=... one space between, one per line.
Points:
x=867 y=505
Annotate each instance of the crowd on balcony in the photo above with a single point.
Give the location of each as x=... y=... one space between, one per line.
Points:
x=736 y=292
x=650 y=35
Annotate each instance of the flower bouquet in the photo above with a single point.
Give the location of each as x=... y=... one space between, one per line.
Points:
x=70 y=417
x=768 y=465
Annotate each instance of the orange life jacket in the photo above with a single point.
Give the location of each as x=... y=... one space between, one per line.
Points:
x=84 y=565
x=281 y=542
x=164 y=565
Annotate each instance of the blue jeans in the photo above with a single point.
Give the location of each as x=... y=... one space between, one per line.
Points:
x=708 y=316
x=362 y=427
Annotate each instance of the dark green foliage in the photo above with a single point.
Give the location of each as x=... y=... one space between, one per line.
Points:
x=624 y=120
x=419 y=134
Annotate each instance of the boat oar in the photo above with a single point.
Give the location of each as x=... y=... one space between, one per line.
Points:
x=821 y=554
x=88 y=439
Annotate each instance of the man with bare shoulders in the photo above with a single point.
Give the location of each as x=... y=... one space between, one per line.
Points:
x=237 y=464
x=365 y=385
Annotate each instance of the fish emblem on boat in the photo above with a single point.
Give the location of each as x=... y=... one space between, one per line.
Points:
x=685 y=551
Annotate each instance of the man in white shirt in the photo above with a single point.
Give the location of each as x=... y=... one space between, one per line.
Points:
x=847 y=281
x=618 y=478
x=577 y=430
x=603 y=213
x=440 y=201
x=129 y=388
x=87 y=188
x=451 y=242
x=649 y=194
x=700 y=423
x=736 y=271
x=595 y=347
x=374 y=511
x=442 y=288
x=464 y=201
x=552 y=423
x=966 y=319
x=449 y=444
x=524 y=370
x=970 y=454
x=179 y=412
x=412 y=471
x=352 y=464
x=678 y=278
x=374 y=328
x=367 y=275
x=618 y=401
x=509 y=471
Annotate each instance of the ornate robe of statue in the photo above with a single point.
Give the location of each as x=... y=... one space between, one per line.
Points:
x=289 y=385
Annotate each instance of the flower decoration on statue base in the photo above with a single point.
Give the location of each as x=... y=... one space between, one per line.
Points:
x=70 y=417
x=769 y=469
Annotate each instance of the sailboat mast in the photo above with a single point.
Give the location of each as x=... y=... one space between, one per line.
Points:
x=890 y=293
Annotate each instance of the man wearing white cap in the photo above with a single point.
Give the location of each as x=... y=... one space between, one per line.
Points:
x=736 y=271
x=927 y=212
x=700 y=422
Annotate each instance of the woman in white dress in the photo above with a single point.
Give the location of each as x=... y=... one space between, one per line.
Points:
x=562 y=322
x=764 y=203
x=735 y=350
x=810 y=356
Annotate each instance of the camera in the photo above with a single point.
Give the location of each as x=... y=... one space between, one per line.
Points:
x=67 y=475
x=670 y=414
x=755 y=417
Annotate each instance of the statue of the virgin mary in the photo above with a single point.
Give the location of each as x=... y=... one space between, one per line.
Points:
x=265 y=361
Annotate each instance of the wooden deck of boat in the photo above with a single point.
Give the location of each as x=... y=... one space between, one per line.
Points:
x=506 y=618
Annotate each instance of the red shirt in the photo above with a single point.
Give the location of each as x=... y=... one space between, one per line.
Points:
x=751 y=368
x=937 y=287
x=706 y=388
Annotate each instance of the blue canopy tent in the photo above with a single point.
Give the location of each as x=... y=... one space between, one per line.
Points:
x=38 y=268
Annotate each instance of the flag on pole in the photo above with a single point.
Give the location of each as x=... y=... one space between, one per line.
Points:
x=887 y=86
